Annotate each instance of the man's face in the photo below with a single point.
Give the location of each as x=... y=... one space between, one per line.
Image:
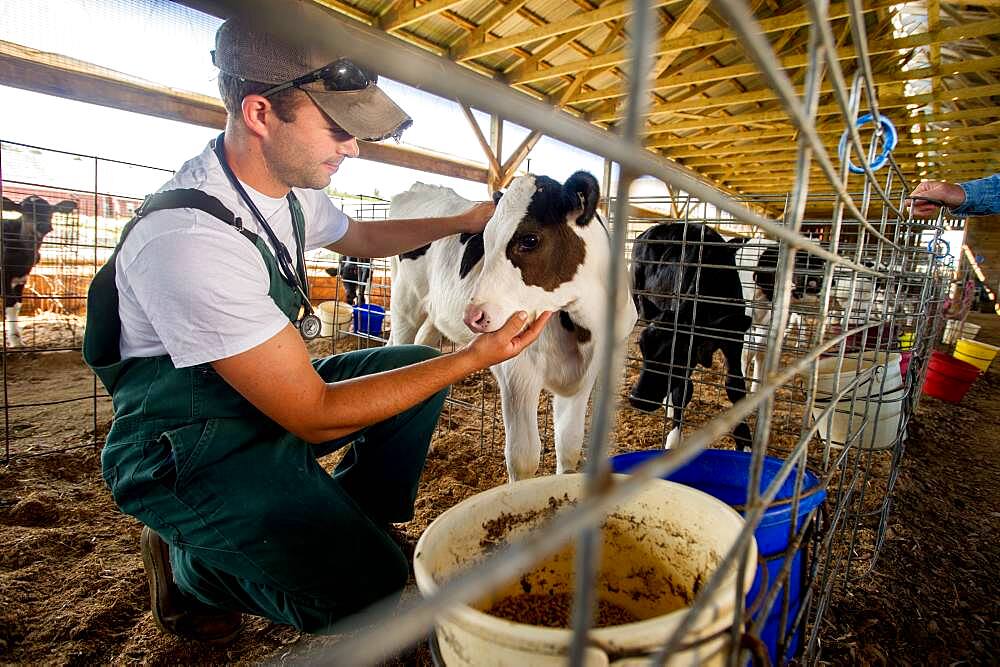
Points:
x=308 y=151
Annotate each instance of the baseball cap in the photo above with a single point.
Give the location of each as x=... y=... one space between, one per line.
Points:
x=344 y=91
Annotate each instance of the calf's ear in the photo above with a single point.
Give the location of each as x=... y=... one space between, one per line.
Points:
x=65 y=206
x=584 y=192
x=11 y=205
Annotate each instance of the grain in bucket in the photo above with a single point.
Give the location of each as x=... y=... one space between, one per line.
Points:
x=658 y=549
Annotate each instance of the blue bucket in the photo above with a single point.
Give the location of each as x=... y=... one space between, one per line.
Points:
x=368 y=319
x=725 y=475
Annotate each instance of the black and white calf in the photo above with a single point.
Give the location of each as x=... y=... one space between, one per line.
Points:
x=25 y=225
x=355 y=272
x=544 y=249
x=687 y=289
x=757 y=260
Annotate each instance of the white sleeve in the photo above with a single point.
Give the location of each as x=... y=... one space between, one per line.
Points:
x=325 y=223
x=205 y=293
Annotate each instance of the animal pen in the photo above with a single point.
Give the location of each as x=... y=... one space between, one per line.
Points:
x=841 y=341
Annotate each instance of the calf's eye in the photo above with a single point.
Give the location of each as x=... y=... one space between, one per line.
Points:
x=527 y=243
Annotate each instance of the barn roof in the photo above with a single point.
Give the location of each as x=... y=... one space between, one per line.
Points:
x=934 y=65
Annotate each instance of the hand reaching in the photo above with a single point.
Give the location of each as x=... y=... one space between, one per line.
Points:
x=949 y=194
x=474 y=220
x=507 y=341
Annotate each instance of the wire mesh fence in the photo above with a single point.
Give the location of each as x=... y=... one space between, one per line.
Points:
x=797 y=340
x=827 y=407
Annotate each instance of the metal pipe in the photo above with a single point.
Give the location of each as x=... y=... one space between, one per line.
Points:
x=611 y=354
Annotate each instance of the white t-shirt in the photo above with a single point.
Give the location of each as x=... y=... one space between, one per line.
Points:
x=193 y=287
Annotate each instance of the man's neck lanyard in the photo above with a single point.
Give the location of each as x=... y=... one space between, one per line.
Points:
x=307 y=323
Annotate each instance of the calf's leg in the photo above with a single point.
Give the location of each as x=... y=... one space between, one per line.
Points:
x=13 y=328
x=678 y=398
x=520 y=387
x=570 y=413
x=736 y=390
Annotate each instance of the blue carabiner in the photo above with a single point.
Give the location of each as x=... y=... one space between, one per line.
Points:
x=935 y=241
x=889 y=139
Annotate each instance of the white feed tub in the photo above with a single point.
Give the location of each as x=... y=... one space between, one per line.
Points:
x=657 y=550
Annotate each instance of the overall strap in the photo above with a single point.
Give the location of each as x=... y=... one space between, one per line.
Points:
x=299 y=229
x=189 y=198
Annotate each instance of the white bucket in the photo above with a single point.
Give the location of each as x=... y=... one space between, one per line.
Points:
x=333 y=316
x=889 y=367
x=951 y=335
x=879 y=431
x=657 y=549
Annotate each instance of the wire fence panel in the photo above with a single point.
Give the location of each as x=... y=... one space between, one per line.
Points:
x=763 y=328
x=786 y=336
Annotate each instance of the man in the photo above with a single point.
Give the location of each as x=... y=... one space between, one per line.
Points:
x=978 y=197
x=219 y=413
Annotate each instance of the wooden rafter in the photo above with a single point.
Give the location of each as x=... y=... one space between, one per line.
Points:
x=697 y=39
x=793 y=61
x=680 y=26
x=767 y=94
x=485 y=145
x=400 y=18
x=499 y=14
x=585 y=19
x=517 y=157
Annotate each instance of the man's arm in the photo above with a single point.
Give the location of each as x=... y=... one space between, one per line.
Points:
x=978 y=197
x=278 y=379
x=385 y=238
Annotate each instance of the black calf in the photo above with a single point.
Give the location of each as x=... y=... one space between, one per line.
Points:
x=355 y=273
x=687 y=289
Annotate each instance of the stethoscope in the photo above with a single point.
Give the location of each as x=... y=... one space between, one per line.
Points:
x=307 y=323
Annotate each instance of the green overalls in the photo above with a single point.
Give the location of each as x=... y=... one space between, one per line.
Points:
x=254 y=523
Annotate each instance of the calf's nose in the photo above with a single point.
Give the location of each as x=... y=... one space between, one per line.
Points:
x=476 y=319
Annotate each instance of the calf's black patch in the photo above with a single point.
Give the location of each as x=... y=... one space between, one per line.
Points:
x=474 y=251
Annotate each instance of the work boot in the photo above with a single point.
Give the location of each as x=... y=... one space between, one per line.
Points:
x=174 y=611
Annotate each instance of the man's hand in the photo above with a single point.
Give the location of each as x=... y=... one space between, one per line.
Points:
x=474 y=220
x=491 y=348
x=952 y=195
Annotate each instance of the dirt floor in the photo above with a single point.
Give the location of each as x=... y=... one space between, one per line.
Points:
x=72 y=588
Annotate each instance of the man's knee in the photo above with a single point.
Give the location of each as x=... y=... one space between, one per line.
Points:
x=344 y=593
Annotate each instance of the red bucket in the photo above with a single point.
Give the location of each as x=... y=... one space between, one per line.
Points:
x=949 y=378
x=904 y=362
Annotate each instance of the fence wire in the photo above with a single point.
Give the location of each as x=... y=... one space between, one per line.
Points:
x=862 y=290
x=873 y=282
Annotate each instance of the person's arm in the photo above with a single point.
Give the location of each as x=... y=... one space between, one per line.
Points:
x=385 y=238
x=978 y=197
x=279 y=380
x=982 y=197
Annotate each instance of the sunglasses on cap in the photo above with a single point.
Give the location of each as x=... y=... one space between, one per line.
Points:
x=339 y=76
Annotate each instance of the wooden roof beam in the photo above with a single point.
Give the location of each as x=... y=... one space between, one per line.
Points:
x=399 y=17
x=41 y=72
x=499 y=14
x=827 y=110
x=702 y=38
x=751 y=173
x=767 y=94
x=675 y=31
x=586 y=19
x=951 y=34
x=727 y=143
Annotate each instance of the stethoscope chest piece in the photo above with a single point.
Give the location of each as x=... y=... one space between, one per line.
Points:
x=309 y=326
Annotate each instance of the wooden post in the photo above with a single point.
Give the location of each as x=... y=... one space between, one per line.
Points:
x=606 y=188
x=495 y=178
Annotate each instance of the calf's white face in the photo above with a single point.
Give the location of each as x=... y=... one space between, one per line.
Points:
x=534 y=249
